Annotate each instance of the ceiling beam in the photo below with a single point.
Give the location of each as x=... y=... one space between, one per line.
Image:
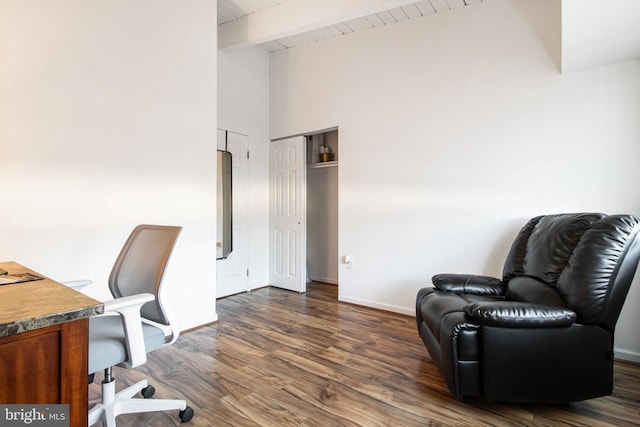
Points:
x=295 y=17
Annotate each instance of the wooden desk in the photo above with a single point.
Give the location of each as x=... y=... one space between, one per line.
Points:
x=44 y=333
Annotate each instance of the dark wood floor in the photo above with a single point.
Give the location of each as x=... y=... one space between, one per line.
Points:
x=277 y=358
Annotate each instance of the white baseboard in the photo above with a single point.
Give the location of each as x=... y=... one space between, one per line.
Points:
x=203 y=322
x=626 y=355
x=371 y=304
x=323 y=280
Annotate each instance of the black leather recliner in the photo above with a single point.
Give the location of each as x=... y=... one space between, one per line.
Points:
x=544 y=333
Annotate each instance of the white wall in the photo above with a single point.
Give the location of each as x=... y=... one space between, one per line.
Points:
x=322 y=224
x=454 y=130
x=243 y=107
x=108 y=120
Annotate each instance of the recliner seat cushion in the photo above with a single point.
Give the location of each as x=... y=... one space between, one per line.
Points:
x=529 y=289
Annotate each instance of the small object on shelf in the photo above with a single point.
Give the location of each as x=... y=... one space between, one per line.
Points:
x=326 y=157
x=322 y=149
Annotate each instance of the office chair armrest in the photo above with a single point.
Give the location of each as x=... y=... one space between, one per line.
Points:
x=129 y=310
x=123 y=303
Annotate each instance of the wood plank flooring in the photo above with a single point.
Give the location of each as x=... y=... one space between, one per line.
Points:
x=278 y=358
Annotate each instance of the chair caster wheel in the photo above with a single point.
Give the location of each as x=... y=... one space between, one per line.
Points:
x=148 y=391
x=186 y=414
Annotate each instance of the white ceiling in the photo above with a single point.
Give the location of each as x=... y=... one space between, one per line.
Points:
x=593 y=32
x=599 y=32
x=244 y=22
x=230 y=10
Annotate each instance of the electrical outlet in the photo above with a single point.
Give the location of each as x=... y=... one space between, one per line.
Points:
x=348 y=261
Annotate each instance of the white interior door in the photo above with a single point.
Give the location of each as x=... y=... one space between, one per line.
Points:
x=287 y=216
x=232 y=272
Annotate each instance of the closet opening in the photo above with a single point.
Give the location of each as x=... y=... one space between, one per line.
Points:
x=322 y=212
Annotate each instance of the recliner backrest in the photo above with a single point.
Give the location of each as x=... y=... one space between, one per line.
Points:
x=588 y=258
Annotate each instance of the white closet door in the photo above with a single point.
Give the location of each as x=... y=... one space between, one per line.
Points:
x=287 y=216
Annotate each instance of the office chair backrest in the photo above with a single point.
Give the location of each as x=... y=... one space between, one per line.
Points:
x=589 y=258
x=141 y=266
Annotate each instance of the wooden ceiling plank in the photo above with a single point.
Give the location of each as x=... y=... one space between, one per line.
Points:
x=328 y=32
x=297 y=16
x=360 y=24
x=439 y=5
x=364 y=24
x=412 y=11
x=376 y=20
x=453 y=4
x=344 y=28
x=228 y=10
x=398 y=14
x=354 y=25
x=227 y=14
x=425 y=7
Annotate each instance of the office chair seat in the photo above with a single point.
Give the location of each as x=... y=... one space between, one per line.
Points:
x=107 y=341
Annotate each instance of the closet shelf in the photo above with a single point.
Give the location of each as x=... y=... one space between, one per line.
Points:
x=323 y=165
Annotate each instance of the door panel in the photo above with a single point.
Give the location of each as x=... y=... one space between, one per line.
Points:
x=287 y=216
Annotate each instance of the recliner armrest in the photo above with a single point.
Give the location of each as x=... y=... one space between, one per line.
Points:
x=129 y=310
x=469 y=284
x=513 y=314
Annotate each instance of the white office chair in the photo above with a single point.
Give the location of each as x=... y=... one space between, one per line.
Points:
x=140 y=326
